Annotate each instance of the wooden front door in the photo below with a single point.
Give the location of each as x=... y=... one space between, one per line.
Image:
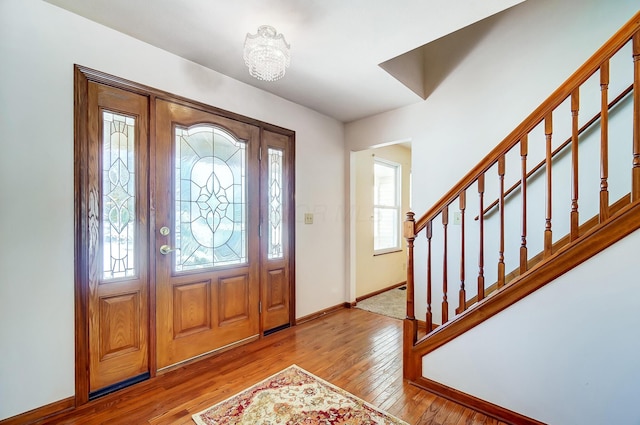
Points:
x=184 y=231
x=207 y=232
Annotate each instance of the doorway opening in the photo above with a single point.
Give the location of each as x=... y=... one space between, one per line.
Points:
x=184 y=231
x=379 y=204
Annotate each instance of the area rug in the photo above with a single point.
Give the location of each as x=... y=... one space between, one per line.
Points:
x=294 y=396
x=392 y=303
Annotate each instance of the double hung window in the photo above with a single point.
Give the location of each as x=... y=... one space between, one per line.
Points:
x=386 y=206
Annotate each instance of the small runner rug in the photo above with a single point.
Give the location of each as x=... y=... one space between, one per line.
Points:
x=294 y=396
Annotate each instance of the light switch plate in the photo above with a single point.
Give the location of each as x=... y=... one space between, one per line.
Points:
x=457 y=217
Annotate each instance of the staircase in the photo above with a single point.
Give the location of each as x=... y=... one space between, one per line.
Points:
x=554 y=193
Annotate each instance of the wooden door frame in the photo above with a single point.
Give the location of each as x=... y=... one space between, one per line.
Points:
x=82 y=77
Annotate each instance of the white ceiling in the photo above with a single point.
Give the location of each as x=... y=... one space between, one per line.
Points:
x=336 y=45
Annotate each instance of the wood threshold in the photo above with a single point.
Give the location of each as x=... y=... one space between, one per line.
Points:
x=203 y=356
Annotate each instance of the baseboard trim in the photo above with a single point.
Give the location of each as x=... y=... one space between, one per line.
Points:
x=380 y=291
x=67 y=404
x=498 y=412
x=321 y=313
x=41 y=412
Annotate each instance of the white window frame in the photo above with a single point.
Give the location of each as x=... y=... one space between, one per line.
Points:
x=396 y=207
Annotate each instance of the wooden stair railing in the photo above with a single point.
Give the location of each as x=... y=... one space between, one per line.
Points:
x=533 y=261
x=622 y=96
x=557 y=254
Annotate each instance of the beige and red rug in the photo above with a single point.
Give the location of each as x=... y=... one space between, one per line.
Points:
x=294 y=396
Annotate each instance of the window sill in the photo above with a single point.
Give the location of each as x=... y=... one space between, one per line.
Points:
x=389 y=251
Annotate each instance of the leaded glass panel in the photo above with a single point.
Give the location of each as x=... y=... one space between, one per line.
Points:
x=118 y=195
x=210 y=198
x=275 y=249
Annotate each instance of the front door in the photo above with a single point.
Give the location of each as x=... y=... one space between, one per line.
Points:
x=206 y=232
x=184 y=237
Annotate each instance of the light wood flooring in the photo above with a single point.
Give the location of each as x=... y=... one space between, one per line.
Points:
x=356 y=350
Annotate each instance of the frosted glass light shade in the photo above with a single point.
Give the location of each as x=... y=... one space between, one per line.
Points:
x=266 y=54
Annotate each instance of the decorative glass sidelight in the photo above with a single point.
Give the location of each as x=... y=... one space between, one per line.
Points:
x=275 y=249
x=118 y=195
x=210 y=198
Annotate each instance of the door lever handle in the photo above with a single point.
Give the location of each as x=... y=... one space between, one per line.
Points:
x=165 y=249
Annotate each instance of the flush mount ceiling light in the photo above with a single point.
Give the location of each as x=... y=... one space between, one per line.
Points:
x=266 y=54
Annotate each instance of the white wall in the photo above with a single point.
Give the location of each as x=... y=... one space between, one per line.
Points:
x=567 y=354
x=528 y=52
x=376 y=272
x=39 y=43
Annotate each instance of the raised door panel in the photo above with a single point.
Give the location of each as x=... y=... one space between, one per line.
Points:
x=276 y=299
x=234 y=300
x=206 y=200
x=119 y=325
x=191 y=308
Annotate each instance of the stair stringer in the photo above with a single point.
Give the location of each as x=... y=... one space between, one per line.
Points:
x=622 y=224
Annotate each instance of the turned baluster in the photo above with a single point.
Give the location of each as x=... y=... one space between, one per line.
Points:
x=429 y=231
x=409 y=234
x=524 y=151
x=604 y=142
x=575 y=107
x=548 y=241
x=462 y=294
x=445 y=302
x=635 y=185
x=501 y=171
x=481 y=252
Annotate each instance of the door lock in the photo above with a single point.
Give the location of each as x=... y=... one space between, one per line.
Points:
x=165 y=249
x=164 y=231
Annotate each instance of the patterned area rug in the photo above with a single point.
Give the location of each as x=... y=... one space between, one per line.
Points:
x=294 y=396
x=392 y=303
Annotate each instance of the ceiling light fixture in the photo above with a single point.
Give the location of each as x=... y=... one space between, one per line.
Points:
x=266 y=54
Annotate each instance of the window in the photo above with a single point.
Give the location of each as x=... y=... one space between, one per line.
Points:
x=210 y=198
x=119 y=195
x=386 y=206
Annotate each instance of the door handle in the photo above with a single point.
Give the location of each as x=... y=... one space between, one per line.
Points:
x=165 y=249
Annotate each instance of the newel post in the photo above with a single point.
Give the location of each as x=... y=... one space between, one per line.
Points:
x=410 y=331
x=409 y=235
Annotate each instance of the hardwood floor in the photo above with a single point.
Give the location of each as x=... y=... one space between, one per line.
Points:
x=356 y=350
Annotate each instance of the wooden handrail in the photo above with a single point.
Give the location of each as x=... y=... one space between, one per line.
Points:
x=613 y=45
x=558 y=252
x=583 y=241
x=621 y=224
x=559 y=149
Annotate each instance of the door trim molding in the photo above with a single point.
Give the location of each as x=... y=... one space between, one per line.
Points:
x=81 y=237
x=82 y=77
